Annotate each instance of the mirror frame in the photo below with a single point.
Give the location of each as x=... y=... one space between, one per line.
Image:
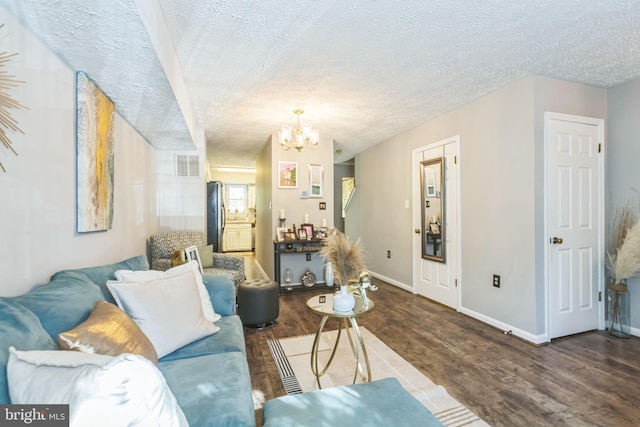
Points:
x=423 y=196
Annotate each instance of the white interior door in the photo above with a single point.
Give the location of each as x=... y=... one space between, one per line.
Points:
x=575 y=209
x=436 y=280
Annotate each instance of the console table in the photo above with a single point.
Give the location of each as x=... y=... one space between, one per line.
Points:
x=298 y=256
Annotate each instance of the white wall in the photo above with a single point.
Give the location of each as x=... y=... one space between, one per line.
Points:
x=231 y=177
x=623 y=173
x=38 y=192
x=501 y=171
x=182 y=201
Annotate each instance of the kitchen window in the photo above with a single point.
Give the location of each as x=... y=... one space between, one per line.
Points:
x=237 y=197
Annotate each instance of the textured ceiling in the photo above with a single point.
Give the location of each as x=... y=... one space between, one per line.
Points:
x=363 y=71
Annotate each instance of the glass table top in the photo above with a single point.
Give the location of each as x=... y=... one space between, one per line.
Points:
x=323 y=305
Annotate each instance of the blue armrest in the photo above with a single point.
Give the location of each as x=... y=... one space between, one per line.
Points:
x=222 y=291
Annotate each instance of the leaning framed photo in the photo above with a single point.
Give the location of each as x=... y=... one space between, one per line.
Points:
x=287 y=174
x=280 y=233
x=316 y=175
x=320 y=233
x=192 y=254
x=302 y=234
x=308 y=229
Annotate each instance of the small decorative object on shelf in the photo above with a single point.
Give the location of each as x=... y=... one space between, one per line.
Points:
x=347 y=262
x=624 y=263
x=308 y=278
x=288 y=276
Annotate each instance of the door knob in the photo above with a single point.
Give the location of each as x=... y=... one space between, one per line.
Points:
x=556 y=240
x=416 y=230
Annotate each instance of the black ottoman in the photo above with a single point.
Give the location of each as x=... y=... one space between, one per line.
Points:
x=258 y=303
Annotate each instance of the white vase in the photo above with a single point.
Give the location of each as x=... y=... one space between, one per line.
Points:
x=328 y=274
x=343 y=301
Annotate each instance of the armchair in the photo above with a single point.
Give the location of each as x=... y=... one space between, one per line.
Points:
x=164 y=245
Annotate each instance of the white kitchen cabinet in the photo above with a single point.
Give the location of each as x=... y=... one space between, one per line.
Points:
x=244 y=237
x=237 y=237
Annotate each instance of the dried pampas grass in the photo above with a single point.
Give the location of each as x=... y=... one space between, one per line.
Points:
x=348 y=260
x=626 y=262
x=624 y=256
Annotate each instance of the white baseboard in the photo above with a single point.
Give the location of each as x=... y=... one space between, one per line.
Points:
x=261 y=270
x=392 y=281
x=507 y=329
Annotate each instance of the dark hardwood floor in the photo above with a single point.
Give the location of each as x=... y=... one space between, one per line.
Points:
x=590 y=379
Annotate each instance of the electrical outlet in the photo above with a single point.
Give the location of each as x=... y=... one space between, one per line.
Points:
x=388 y=254
x=322 y=205
x=496 y=280
x=308 y=257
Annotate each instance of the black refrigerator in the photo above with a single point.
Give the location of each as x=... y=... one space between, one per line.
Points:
x=215 y=215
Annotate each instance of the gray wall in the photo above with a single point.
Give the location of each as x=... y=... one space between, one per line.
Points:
x=264 y=195
x=502 y=168
x=623 y=154
x=270 y=199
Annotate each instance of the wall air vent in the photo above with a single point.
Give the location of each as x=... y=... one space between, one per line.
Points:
x=187 y=166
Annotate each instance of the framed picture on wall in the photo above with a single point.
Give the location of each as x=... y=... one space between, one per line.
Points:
x=316 y=187
x=287 y=174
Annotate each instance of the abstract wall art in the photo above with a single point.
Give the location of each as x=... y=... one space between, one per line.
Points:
x=94 y=137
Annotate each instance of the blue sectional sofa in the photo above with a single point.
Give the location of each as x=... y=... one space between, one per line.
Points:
x=209 y=377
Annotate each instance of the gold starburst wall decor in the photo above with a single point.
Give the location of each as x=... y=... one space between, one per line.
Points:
x=7 y=103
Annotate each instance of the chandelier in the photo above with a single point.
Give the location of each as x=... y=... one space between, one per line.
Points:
x=299 y=138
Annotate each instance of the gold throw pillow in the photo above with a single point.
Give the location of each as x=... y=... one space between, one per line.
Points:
x=110 y=331
x=178 y=258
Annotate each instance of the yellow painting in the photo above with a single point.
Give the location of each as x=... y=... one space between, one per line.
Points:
x=94 y=157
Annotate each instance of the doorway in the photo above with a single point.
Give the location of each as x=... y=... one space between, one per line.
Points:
x=574 y=221
x=438 y=281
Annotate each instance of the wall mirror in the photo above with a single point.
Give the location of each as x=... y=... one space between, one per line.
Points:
x=433 y=209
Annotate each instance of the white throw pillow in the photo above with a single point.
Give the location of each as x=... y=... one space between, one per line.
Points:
x=167 y=310
x=126 y=390
x=146 y=275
